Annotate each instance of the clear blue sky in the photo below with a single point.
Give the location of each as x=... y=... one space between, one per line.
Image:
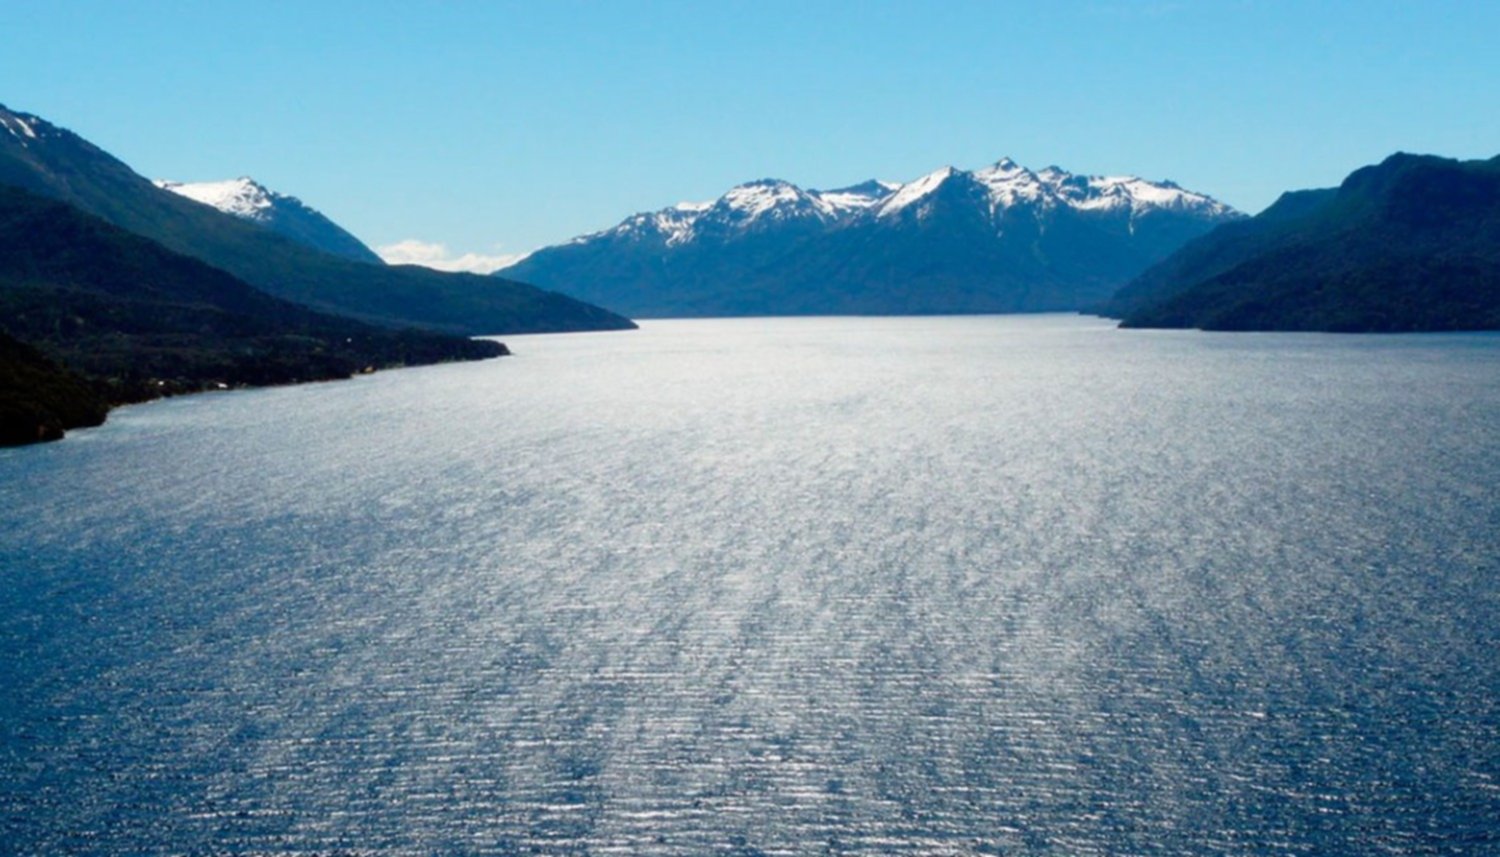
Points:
x=498 y=127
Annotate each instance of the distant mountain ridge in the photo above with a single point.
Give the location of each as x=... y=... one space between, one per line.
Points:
x=40 y=157
x=998 y=239
x=1409 y=244
x=250 y=200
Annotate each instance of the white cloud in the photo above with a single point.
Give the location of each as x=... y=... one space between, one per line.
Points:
x=435 y=255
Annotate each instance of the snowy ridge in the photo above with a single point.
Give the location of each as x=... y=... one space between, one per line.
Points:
x=1010 y=183
x=1002 y=238
x=674 y=225
x=242 y=197
x=768 y=202
x=1109 y=192
x=914 y=192
x=857 y=198
x=748 y=206
x=771 y=198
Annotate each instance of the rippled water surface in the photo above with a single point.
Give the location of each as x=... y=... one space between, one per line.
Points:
x=937 y=586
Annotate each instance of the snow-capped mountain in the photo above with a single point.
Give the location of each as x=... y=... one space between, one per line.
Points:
x=998 y=239
x=249 y=200
x=767 y=204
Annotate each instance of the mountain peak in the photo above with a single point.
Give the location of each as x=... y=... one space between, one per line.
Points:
x=915 y=191
x=243 y=197
x=763 y=196
x=248 y=199
x=766 y=182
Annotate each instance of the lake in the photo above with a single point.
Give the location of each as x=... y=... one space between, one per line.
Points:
x=986 y=585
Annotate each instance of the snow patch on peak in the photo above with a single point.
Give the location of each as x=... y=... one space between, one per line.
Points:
x=1009 y=183
x=865 y=195
x=674 y=225
x=242 y=197
x=757 y=198
x=742 y=209
x=915 y=191
x=1109 y=192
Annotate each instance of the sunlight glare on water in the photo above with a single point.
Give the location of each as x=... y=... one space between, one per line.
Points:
x=918 y=585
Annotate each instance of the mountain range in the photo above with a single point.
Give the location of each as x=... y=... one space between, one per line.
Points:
x=999 y=239
x=45 y=159
x=1409 y=244
x=285 y=215
x=115 y=289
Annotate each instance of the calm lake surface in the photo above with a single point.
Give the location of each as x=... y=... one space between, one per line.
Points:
x=880 y=586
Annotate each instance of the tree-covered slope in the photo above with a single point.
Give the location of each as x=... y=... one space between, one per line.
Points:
x=40 y=399
x=1410 y=244
x=38 y=156
x=139 y=321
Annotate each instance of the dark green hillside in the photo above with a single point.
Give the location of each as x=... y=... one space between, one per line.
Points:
x=57 y=163
x=139 y=321
x=1220 y=250
x=1411 y=244
x=39 y=399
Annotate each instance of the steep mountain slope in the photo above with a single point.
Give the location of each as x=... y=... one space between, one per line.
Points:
x=1410 y=244
x=139 y=321
x=1218 y=251
x=999 y=239
x=285 y=215
x=40 y=157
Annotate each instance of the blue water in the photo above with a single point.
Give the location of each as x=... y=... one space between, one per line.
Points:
x=877 y=586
